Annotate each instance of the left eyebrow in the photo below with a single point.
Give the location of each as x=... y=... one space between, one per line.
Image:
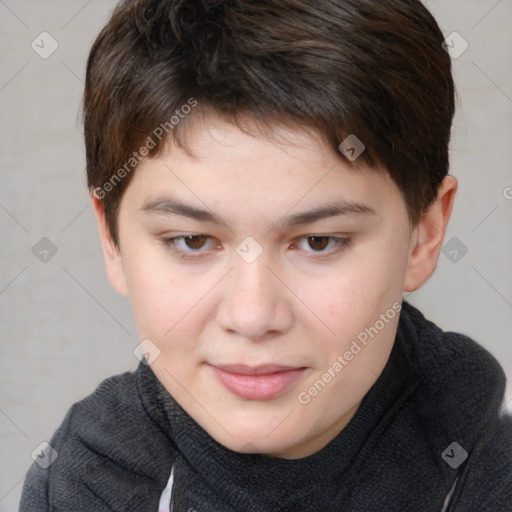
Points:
x=171 y=206
x=333 y=209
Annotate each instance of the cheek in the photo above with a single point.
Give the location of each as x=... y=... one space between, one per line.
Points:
x=356 y=293
x=381 y=270
x=159 y=298
x=356 y=301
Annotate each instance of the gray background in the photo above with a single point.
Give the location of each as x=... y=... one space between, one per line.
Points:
x=63 y=329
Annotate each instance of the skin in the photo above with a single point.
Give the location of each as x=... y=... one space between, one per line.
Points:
x=300 y=303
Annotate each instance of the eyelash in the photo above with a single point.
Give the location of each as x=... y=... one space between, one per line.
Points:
x=170 y=243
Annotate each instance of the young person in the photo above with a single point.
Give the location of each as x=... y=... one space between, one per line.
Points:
x=269 y=177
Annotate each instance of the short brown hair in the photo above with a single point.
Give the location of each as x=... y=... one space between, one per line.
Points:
x=373 y=69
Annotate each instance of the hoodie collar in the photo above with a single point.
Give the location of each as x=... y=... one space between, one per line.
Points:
x=424 y=375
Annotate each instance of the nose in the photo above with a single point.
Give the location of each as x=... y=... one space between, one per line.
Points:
x=256 y=303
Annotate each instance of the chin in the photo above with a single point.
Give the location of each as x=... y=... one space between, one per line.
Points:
x=248 y=444
x=265 y=437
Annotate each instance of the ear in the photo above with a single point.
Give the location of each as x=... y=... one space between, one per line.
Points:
x=427 y=237
x=112 y=253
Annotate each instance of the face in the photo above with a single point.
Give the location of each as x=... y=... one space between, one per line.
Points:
x=256 y=268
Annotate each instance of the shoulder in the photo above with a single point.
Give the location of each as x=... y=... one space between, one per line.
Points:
x=459 y=380
x=451 y=362
x=460 y=399
x=106 y=446
x=487 y=482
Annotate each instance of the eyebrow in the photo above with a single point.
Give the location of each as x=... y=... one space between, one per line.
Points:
x=171 y=206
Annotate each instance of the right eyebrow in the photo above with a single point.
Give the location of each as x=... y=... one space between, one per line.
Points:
x=171 y=206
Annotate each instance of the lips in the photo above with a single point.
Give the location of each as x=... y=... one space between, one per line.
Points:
x=262 y=382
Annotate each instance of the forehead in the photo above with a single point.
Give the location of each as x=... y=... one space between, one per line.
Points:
x=206 y=134
x=223 y=167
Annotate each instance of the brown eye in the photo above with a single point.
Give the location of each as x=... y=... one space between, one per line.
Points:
x=195 y=241
x=318 y=243
x=323 y=245
x=189 y=246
